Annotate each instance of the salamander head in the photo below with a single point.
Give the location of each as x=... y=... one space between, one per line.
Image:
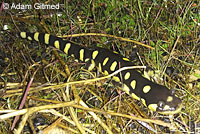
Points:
x=165 y=101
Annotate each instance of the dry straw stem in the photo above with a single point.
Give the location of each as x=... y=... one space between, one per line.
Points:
x=108 y=35
x=32 y=110
x=53 y=87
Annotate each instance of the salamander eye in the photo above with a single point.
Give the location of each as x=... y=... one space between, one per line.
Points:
x=161 y=105
x=173 y=91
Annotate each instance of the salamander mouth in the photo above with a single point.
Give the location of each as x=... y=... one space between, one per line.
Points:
x=170 y=110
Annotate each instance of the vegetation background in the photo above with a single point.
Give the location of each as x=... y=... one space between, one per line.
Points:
x=170 y=29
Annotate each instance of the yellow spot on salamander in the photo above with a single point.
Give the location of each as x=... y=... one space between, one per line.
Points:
x=126 y=88
x=67 y=46
x=105 y=61
x=57 y=44
x=135 y=96
x=46 y=38
x=87 y=59
x=94 y=54
x=153 y=107
x=81 y=54
x=146 y=89
x=29 y=38
x=113 y=66
x=106 y=72
x=115 y=78
x=169 y=99
x=100 y=68
x=133 y=84
x=23 y=34
x=144 y=102
x=36 y=36
x=126 y=59
x=127 y=76
x=92 y=65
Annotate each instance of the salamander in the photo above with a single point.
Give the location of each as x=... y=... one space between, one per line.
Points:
x=154 y=96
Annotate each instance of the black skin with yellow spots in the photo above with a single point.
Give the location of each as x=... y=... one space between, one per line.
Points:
x=156 y=97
